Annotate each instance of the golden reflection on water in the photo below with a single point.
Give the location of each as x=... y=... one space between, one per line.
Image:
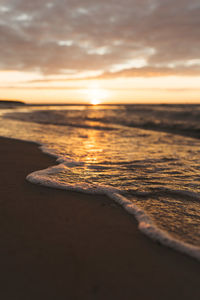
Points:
x=92 y=146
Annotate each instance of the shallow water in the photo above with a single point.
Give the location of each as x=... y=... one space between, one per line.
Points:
x=145 y=157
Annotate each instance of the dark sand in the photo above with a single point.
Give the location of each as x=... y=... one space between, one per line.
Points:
x=63 y=245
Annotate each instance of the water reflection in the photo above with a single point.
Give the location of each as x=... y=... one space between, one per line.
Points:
x=92 y=146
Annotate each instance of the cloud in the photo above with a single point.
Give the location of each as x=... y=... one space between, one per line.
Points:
x=72 y=36
x=152 y=72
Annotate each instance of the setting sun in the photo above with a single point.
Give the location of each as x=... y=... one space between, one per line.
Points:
x=96 y=95
x=95 y=102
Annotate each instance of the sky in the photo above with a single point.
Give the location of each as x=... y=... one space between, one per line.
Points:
x=92 y=51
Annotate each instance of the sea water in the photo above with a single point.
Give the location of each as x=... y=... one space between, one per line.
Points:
x=145 y=157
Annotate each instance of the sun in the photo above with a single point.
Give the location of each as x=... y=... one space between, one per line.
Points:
x=96 y=95
x=95 y=101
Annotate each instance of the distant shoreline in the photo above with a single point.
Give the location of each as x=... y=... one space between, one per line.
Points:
x=11 y=102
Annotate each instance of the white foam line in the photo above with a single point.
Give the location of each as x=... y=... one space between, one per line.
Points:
x=146 y=226
x=41 y=178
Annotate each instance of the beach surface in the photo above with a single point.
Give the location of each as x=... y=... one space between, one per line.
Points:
x=56 y=244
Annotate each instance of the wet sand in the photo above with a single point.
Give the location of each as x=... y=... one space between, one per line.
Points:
x=58 y=245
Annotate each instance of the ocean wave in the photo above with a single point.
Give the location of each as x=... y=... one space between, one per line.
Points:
x=55 y=118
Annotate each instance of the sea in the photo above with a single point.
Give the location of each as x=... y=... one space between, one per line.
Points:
x=144 y=157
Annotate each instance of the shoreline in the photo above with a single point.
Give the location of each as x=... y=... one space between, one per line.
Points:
x=58 y=244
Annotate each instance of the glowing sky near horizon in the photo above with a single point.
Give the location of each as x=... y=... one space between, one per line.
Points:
x=103 y=51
